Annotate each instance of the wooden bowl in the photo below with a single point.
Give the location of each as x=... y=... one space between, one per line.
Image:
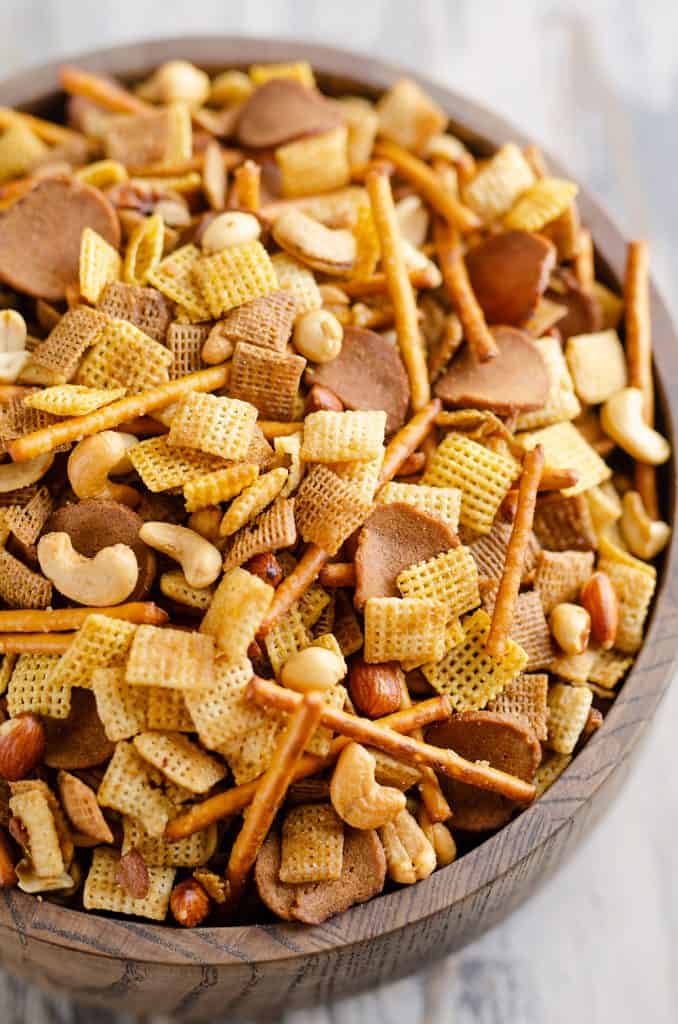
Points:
x=213 y=972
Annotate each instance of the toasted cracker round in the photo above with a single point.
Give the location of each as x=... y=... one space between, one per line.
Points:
x=394 y=537
x=78 y=741
x=367 y=374
x=516 y=378
x=504 y=743
x=281 y=110
x=94 y=524
x=509 y=272
x=40 y=235
x=583 y=310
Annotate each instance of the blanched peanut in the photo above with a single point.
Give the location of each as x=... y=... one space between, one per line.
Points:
x=570 y=625
x=107 y=579
x=314 y=668
x=357 y=797
x=91 y=461
x=200 y=560
x=318 y=336
x=217 y=348
x=228 y=229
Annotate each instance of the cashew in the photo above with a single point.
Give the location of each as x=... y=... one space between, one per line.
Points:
x=13 y=355
x=409 y=854
x=174 y=81
x=15 y=475
x=356 y=795
x=645 y=537
x=622 y=419
x=92 y=460
x=200 y=560
x=107 y=579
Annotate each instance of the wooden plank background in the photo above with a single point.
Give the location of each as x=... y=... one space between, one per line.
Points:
x=595 y=82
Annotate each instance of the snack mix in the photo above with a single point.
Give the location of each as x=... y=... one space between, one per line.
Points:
x=328 y=492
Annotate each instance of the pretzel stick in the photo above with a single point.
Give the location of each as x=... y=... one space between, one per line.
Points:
x=314 y=557
x=8 y=876
x=584 y=264
x=553 y=479
x=363 y=730
x=400 y=290
x=35 y=643
x=57 y=620
x=460 y=292
x=416 y=462
x=638 y=324
x=247 y=186
x=223 y=805
x=49 y=438
x=377 y=284
x=431 y=794
x=54 y=134
x=274 y=428
x=271 y=791
x=427 y=182
x=509 y=585
x=338 y=574
x=101 y=91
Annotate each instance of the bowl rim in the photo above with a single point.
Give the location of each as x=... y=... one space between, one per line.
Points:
x=604 y=753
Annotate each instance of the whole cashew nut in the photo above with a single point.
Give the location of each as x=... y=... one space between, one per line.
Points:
x=409 y=854
x=107 y=579
x=200 y=560
x=645 y=537
x=356 y=795
x=15 y=475
x=94 y=458
x=13 y=354
x=622 y=419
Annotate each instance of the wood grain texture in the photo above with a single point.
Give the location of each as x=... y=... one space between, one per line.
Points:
x=598 y=941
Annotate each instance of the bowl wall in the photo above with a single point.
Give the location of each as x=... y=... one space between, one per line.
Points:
x=142 y=968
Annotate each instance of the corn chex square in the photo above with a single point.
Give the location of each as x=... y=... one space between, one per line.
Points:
x=543 y=203
x=170 y=658
x=327 y=509
x=343 y=436
x=244 y=599
x=313 y=603
x=299 y=281
x=30 y=689
x=483 y=477
x=363 y=474
x=253 y=500
x=32 y=808
x=468 y=673
x=251 y=754
x=234 y=276
x=221 y=485
x=635 y=588
x=125 y=356
x=286 y=637
x=499 y=182
x=100 y=264
x=576 y=668
x=72 y=399
x=162 y=467
x=221 y=713
x=524 y=699
x=128 y=787
x=173 y=276
x=608 y=668
x=166 y=710
x=102 y=891
x=272 y=530
x=442 y=502
x=406 y=628
x=266 y=379
x=561 y=575
x=597 y=363
x=451 y=577
x=549 y=771
x=312 y=844
x=569 y=708
x=6 y=668
x=346 y=626
x=565 y=448
x=191 y=852
x=101 y=642
x=180 y=760
x=174 y=585
x=121 y=707
x=144 y=249
x=217 y=426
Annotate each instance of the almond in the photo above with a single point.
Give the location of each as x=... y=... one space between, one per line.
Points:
x=600 y=599
x=266 y=567
x=376 y=690
x=22 y=744
x=132 y=875
x=321 y=399
x=189 y=903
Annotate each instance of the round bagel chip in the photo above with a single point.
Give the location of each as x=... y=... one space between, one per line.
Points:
x=583 y=309
x=509 y=273
x=281 y=110
x=78 y=741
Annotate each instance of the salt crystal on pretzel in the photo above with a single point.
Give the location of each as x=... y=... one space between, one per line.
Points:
x=102 y=891
x=171 y=658
x=162 y=467
x=100 y=264
x=266 y=379
x=29 y=689
x=126 y=356
x=180 y=760
x=101 y=642
x=121 y=707
x=568 y=710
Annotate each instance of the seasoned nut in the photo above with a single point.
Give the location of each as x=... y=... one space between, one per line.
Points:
x=176 y=81
x=645 y=537
x=107 y=579
x=8 y=876
x=440 y=837
x=318 y=336
x=266 y=567
x=94 y=458
x=201 y=561
x=570 y=625
x=376 y=690
x=22 y=745
x=13 y=355
x=622 y=419
x=206 y=521
x=356 y=795
x=592 y=723
x=600 y=600
x=314 y=668
x=132 y=874
x=320 y=399
x=217 y=348
x=228 y=229
x=409 y=854
x=189 y=903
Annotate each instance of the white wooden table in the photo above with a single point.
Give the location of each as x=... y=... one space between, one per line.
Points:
x=595 y=82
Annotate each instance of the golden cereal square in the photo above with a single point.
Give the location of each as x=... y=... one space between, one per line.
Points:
x=222 y=713
x=222 y=485
x=609 y=668
x=166 y=709
x=20 y=150
x=174 y=585
x=499 y=182
x=301 y=71
x=234 y=276
x=217 y=426
x=312 y=844
x=565 y=448
x=286 y=637
x=101 y=642
x=30 y=691
x=569 y=708
x=128 y=787
x=408 y=116
x=635 y=588
x=253 y=500
x=313 y=603
x=561 y=402
x=451 y=577
x=483 y=477
x=6 y=668
x=102 y=891
x=251 y=755
x=32 y=809
x=125 y=357
x=296 y=279
x=162 y=467
x=543 y=203
x=549 y=771
x=442 y=502
x=363 y=474
x=171 y=658
x=346 y=626
x=191 y=852
x=122 y=708
x=343 y=436
x=468 y=674
x=180 y=760
x=173 y=276
x=144 y=250
x=327 y=509
x=561 y=575
x=72 y=399
x=315 y=164
x=100 y=264
x=408 y=628
x=266 y=379
x=598 y=365
x=244 y=599
x=575 y=668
